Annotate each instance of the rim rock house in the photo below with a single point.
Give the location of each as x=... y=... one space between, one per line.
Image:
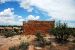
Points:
x=33 y=26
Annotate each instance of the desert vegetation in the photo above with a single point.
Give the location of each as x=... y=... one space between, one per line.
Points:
x=61 y=41
x=9 y=30
x=22 y=46
x=62 y=32
x=40 y=41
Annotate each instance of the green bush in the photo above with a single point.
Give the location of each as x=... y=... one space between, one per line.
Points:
x=9 y=33
x=12 y=48
x=61 y=32
x=39 y=41
x=23 y=46
x=48 y=43
x=73 y=41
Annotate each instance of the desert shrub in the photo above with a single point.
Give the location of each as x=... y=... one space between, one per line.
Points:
x=12 y=48
x=48 y=43
x=17 y=31
x=40 y=41
x=73 y=41
x=73 y=33
x=61 y=32
x=9 y=33
x=22 y=46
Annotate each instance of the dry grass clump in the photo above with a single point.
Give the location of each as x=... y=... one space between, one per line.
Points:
x=22 y=46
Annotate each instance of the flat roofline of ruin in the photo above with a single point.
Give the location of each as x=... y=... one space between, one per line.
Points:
x=39 y=21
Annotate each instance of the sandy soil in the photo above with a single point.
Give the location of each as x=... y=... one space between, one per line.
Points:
x=5 y=43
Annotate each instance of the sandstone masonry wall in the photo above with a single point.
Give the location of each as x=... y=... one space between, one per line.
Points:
x=31 y=27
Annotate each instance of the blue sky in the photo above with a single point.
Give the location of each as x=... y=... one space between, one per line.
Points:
x=16 y=11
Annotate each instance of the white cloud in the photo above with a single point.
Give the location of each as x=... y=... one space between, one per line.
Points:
x=7 y=12
x=31 y=17
x=8 y=17
x=58 y=9
x=26 y=5
x=63 y=10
